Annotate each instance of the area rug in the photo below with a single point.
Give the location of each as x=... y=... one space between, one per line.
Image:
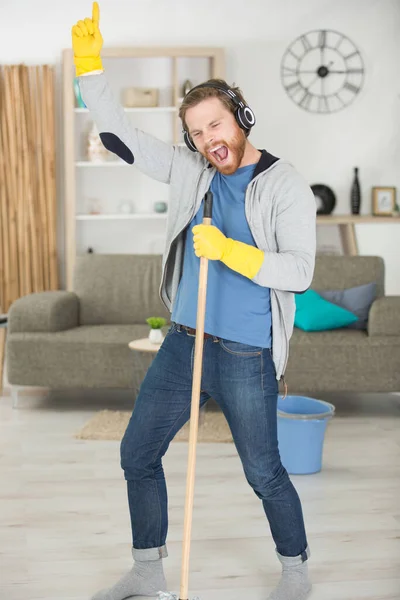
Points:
x=111 y=425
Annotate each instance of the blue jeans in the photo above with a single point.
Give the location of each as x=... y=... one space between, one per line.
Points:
x=242 y=380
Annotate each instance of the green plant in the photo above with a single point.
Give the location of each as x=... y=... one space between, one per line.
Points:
x=156 y=322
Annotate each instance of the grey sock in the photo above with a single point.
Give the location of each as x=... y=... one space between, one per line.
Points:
x=146 y=578
x=295 y=583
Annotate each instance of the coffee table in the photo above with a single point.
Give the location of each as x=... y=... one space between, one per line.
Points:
x=144 y=345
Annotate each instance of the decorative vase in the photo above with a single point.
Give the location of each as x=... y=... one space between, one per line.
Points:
x=325 y=198
x=125 y=207
x=355 y=194
x=156 y=336
x=80 y=103
x=160 y=207
x=96 y=152
x=94 y=206
x=187 y=86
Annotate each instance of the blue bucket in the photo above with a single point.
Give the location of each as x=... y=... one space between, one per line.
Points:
x=302 y=423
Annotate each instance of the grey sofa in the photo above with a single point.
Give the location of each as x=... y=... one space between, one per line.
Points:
x=348 y=359
x=80 y=339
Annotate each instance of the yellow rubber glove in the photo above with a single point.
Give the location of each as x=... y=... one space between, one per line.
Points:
x=210 y=242
x=87 y=42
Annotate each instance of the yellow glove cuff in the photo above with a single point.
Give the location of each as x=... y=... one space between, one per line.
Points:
x=243 y=258
x=86 y=64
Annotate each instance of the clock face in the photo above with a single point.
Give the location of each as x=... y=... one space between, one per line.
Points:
x=322 y=71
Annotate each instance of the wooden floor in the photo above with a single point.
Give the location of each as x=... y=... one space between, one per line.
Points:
x=64 y=528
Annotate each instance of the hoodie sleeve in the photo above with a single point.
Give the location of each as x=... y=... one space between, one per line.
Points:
x=291 y=268
x=151 y=155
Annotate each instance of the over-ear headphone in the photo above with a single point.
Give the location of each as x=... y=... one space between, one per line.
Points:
x=244 y=116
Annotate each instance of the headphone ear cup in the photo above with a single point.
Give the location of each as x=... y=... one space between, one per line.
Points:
x=189 y=142
x=245 y=117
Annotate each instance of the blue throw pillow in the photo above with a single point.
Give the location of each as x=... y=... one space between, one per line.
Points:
x=357 y=299
x=314 y=313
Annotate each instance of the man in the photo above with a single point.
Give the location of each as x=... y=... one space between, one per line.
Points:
x=261 y=247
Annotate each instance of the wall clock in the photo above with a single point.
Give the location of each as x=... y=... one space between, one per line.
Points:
x=322 y=71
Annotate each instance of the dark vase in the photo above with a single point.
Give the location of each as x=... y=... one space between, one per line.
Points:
x=355 y=194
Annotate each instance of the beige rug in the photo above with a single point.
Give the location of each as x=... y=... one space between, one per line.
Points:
x=111 y=425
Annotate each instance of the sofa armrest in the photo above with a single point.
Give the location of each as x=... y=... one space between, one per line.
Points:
x=44 y=311
x=384 y=316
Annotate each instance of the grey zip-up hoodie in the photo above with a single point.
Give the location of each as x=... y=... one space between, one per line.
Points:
x=280 y=209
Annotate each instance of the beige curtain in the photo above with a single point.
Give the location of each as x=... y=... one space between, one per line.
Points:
x=28 y=248
x=28 y=245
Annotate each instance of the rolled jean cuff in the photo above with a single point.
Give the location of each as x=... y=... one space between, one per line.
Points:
x=294 y=561
x=144 y=554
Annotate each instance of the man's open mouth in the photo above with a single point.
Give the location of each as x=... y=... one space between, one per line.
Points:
x=220 y=153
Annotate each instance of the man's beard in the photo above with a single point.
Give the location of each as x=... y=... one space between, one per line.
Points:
x=236 y=148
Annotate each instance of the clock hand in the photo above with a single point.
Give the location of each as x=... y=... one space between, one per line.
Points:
x=325 y=67
x=322 y=54
x=349 y=71
x=312 y=83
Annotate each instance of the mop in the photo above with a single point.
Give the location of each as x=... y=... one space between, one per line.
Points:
x=194 y=416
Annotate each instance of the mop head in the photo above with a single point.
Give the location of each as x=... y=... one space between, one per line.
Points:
x=169 y=596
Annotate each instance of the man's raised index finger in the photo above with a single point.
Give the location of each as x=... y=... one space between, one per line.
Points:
x=95 y=14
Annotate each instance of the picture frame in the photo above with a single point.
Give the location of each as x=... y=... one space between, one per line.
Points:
x=383 y=201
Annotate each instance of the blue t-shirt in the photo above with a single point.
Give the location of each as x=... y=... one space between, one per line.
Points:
x=237 y=309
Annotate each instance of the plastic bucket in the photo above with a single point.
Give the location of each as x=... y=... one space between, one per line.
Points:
x=302 y=423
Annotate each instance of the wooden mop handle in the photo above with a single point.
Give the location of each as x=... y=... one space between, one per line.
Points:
x=195 y=407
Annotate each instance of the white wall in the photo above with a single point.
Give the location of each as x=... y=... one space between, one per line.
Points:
x=255 y=34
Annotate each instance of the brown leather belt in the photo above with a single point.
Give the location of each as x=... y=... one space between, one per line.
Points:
x=192 y=331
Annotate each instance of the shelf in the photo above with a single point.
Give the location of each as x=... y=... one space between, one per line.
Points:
x=105 y=163
x=111 y=163
x=321 y=219
x=347 y=227
x=354 y=219
x=141 y=109
x=106 y=216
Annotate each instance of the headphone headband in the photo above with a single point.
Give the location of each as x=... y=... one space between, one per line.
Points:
x=226 y=90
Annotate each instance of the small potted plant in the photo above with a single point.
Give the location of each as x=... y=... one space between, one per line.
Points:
x=155 y=333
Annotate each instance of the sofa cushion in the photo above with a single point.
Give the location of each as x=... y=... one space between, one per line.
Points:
x=342 y=360
x=341 y=272
x=118 y=289
x=87 y=356
x=333 y=339
x=314 y=313
x=357 y=299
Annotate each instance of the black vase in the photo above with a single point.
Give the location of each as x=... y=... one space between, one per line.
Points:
x=355 y=194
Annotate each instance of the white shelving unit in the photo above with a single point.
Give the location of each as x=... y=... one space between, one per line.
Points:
x=117 y=216
x=106 y=183
x=153 y=109
x=95 y=164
